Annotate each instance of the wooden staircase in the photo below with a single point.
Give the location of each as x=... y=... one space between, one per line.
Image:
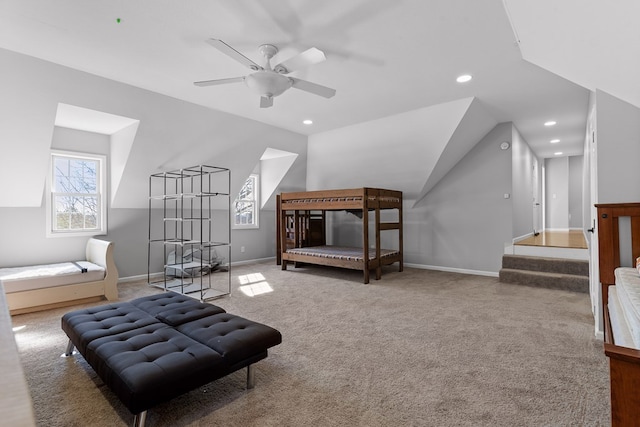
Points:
x=545 y=272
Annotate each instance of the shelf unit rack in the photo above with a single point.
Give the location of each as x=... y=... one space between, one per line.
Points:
x=189 y=223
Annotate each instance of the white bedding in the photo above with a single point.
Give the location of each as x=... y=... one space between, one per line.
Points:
x=619 y=326
x=628 y=295
x=16 y=279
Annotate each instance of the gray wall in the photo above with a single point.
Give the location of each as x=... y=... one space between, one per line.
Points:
x=467 y=219
x=618 y=141
x=172 y=134
x=23 y=230
x=128 y=229
x=525 y=186
x=575 y=191
x=557 y=193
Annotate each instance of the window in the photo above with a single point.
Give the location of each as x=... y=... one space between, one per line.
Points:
x=77 y=203
x=246 y=205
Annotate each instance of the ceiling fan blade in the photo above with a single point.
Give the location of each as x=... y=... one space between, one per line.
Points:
x=266 y=101
x=231 y=52
x=314 y=88
x=219 y=81
x=308 y=57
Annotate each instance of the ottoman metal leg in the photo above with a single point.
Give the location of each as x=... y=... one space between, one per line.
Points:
x=140 y=419
x=251 y=378
x=69 y=351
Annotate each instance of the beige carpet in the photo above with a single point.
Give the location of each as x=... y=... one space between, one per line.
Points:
x=418 y=348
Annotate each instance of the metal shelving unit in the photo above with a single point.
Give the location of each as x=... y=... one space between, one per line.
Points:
x=190 y=228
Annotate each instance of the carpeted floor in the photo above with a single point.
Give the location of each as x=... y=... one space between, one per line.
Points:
x=418 y=348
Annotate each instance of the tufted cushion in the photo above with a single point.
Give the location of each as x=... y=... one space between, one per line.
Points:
x=234 y=337
x=155 y=348
x=83 y=326
x=175 y=309
x=150 y=365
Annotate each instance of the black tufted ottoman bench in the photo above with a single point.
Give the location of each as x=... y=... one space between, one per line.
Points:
x=155 y=348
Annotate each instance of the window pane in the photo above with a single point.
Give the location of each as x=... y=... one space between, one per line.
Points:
x=246 y=204
x=90 y=212
x=90 y=204
x=77 y=221
x=89 y=176
x=244 y=213
x=75 y=175
x=247 y=191
x=76 y=200
x=90 y=221
x=61 y=175
x=63 y=209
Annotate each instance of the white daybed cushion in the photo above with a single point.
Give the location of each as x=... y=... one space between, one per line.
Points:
x=619 y=326
x=16 y=279
x=628 y=290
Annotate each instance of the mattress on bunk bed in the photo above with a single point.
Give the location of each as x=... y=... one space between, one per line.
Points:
x=17 y=279
x=619 y=327
x=340 y=252
x=628 y=296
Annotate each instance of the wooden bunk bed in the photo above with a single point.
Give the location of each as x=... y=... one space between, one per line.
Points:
x=624 y=362
x=301 y=229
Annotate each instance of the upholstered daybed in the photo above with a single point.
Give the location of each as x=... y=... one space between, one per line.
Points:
x=38 y=287
x=155 y=348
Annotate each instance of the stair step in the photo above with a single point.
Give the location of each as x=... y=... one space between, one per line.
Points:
x=545 y=264
x=568 y=282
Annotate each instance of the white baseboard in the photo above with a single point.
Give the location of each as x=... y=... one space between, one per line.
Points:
x=139 y=277
x=524 y=236
x=599 y=335
x=159 y=274
x=453 y=270
x=252 y=261
x=259 y=260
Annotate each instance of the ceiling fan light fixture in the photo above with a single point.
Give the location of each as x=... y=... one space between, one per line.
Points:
x=267 y=83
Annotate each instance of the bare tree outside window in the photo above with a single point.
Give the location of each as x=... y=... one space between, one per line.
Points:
x=246 y=205
x=75 y=194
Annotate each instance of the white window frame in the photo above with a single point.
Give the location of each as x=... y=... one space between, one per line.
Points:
x=101 y=221
x=256 y=204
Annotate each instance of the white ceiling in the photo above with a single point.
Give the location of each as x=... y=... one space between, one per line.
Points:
x=383 y=57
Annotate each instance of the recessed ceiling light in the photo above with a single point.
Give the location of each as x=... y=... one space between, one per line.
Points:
x=554 y=141
x=307 y=122
x=550 y=123
x=464 y=78
x=557 y=153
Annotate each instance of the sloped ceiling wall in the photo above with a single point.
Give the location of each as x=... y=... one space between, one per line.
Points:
x=590 y=42
x=171 y=133
x=475 y=123
x=410 y=152
x=274 y=165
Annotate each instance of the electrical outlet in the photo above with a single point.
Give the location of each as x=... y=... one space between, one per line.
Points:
x=242 y=249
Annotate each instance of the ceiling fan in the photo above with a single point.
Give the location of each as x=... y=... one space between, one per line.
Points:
x=267 y=81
